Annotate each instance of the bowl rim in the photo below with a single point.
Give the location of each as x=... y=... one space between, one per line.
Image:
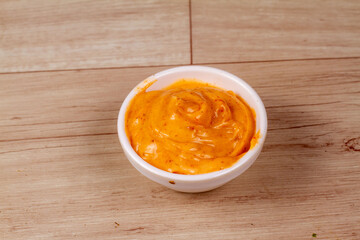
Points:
x=197 y=177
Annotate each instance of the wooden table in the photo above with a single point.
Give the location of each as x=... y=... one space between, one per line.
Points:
x=66 y=67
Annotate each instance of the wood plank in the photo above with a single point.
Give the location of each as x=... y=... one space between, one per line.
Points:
x=63 y=174
x=50 y=35
x=234 y=31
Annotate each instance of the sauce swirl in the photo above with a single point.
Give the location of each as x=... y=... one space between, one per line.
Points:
x=190 y=127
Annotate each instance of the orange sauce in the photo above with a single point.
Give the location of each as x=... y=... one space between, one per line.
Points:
x=190 y=127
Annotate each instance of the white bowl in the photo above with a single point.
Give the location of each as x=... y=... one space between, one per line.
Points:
x=199 y=182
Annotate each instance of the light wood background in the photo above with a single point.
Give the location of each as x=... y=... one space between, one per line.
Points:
x=66 y=66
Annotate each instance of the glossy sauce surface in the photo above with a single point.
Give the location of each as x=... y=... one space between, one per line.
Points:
x=190 y=127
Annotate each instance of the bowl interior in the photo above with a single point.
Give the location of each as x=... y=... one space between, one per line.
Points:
x=210 y=75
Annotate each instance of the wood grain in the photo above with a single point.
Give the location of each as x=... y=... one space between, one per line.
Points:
x=63 y=174
x=233 y=31
x=52 y=35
